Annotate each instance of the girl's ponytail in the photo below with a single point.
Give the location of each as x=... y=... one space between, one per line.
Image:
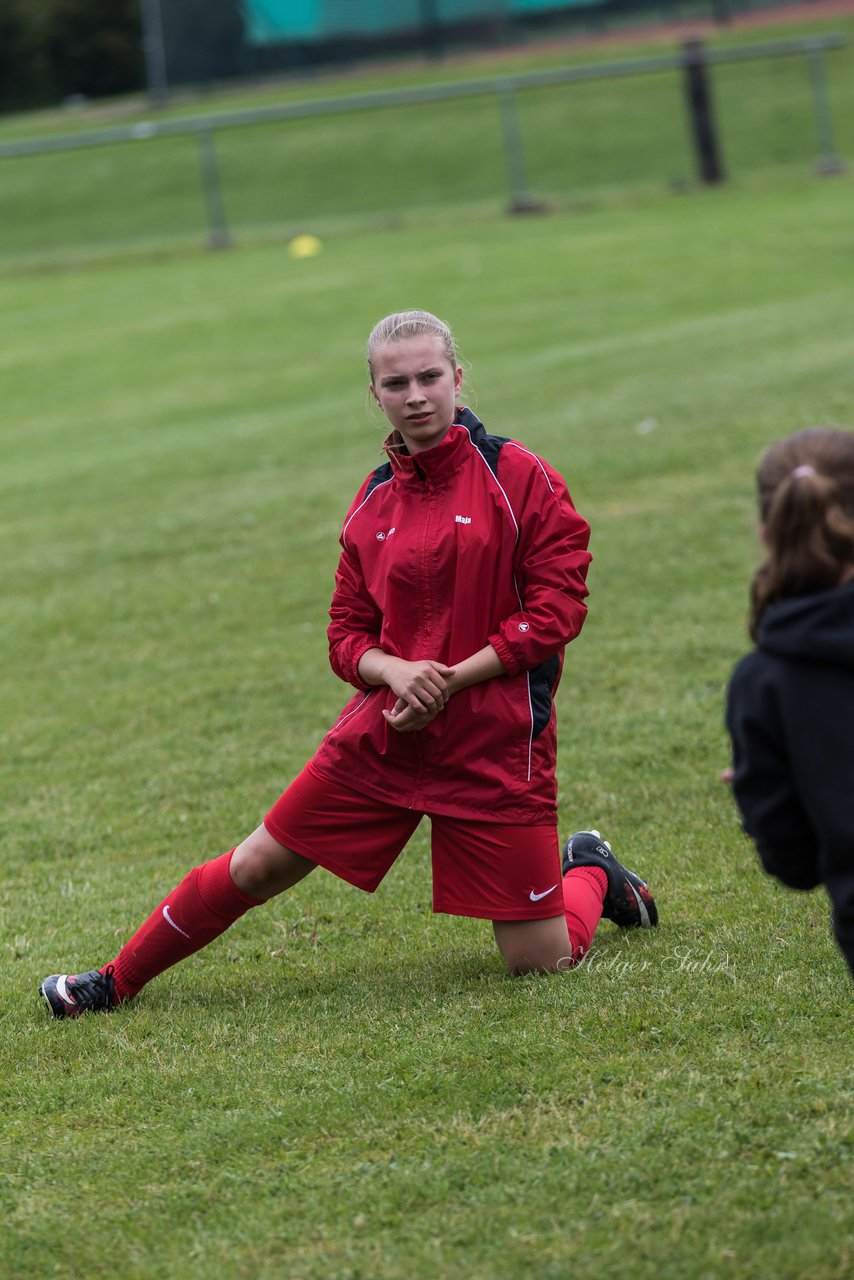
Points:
x=806 y=502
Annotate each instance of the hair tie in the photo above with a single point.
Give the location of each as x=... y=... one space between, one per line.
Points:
x=804 y=470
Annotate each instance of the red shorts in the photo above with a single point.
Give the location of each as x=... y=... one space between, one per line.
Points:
x=491 y=870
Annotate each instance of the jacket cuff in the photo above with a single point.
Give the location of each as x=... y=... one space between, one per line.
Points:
x=509 y=660
x=350 y=668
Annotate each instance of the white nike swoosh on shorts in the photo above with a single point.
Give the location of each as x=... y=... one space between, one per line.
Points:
x=535 y=897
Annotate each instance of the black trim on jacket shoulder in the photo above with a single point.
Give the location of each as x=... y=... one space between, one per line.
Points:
x=488 y=446
x=383 y=473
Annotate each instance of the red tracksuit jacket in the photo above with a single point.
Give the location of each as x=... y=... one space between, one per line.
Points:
x=474 y=541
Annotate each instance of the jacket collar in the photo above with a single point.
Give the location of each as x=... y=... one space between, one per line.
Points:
x=437 y=465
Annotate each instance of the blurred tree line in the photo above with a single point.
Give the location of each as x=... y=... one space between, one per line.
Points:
x=51 y=50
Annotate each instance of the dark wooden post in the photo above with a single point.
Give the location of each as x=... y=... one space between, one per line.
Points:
x=431 y=25
x=698 y=97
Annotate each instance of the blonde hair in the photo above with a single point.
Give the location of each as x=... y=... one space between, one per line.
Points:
x=410 y=324
x=805 y=486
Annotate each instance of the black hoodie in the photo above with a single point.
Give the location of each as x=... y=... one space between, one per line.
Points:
x=790 y=714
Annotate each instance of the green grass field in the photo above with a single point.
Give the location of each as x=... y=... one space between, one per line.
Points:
x=344 y=1085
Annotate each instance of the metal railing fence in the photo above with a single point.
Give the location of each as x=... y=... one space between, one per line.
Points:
x=503 y=89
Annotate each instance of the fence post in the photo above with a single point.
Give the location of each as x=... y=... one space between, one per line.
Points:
x=828 y=161
x=154 y=51
x=219 y=236
x=699 y=99
x=521 y=200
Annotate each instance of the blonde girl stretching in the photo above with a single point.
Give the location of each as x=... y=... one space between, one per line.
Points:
x=461 y=580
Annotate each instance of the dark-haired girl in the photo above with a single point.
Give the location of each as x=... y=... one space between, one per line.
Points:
x=790 y=707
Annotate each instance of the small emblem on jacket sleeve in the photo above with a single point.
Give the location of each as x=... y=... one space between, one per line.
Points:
x=524 y=626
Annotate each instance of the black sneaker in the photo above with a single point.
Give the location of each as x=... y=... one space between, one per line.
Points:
x=628 y=901
x=70 y=994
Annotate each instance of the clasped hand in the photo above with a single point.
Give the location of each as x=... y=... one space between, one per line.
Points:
x=422 y=690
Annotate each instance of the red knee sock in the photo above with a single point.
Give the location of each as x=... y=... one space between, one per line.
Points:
x=202 y=907
x=584 y=890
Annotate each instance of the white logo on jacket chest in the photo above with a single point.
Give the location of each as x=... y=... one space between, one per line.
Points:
x=462 y=519
x=381 y=537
